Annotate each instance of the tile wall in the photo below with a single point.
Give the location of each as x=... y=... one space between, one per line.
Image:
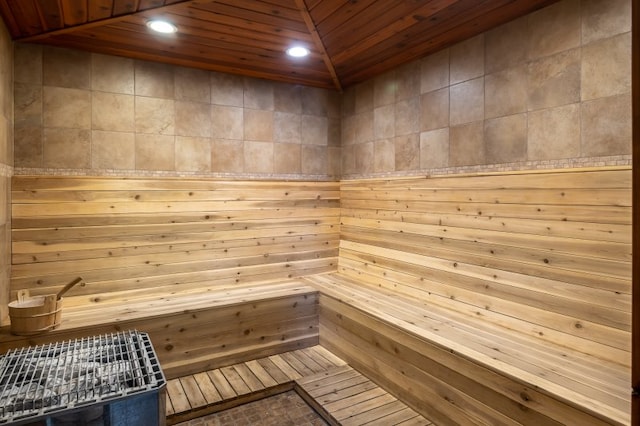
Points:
x=83 y=113
x=551 y=89
x=6 y=169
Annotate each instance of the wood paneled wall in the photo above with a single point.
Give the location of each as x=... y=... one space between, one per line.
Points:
x=547 y=253
x=131 y=238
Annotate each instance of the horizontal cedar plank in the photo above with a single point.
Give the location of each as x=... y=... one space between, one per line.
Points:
x=196 y=288
x=582 y=230
x=618 y=177
x=44 y=196
x=239 y=275
x=509 y=314
x=341 y=16
x=168 y=268
x=21 y=210
x=232 y=248
x=59 y=234
x=174 y=256
x=285 y=10
x=487 y=295
x=580 y=286
x=596 y=214
x=573 y=197
x=577 y=269
x=596 y=249
x=65 y=183
x=164 y=218
x=124 y=241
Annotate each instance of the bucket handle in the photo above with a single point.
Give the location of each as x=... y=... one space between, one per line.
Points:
x=68 y=287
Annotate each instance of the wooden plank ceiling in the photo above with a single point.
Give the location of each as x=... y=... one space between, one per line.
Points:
x=350 y=40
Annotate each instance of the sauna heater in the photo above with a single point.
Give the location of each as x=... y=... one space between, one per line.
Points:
x=113 y=379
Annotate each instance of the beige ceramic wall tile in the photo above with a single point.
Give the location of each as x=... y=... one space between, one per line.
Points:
x=365 y=158
x=334 y=159
x=286 y=127
x=434 y=109
x=113 y=150
x=349 y=102
x=407 y=120
x=258 y=157
x=227 y=156
x=407 y=152
x=334 y=132
x=111 y=111
x=258 y=125
x=112 y=74
x=258 y=94
x=505 y=139
x=467 y=60
x=348 y=133
x=606 y=67
x=155 y=115
x=348 y=160
x=67 y=148
x=314 y=160
x=384 y=122
x=155 y=80
x=363 y=127
x=466 y=102
x=314 y=101
x=408 y=81
x=384 y=156
x=69 y=108
x=66 y=68
x=466 y=145
x=364 y=96
x=603 y=19
x=506 y=45
x=28 y=149
x=434 y=149
x=287 y=98
x=505 y=92
x=193 y=154
x=27 y=63
x=554 y=80
x=227 y=122
x=193 y=119
x=27 y=105
x=434 y=71
x=554 y=29
x=192 y=85
x=384 y=89
x=287 y=158
x=314 y=130
x=334 y=103
x=155 y=152
x=554 y=133
x=227 y=89
x=606 y=126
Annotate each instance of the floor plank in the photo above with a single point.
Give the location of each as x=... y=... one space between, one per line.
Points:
x=339 y=393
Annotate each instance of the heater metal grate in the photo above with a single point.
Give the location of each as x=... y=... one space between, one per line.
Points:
x=41 y=380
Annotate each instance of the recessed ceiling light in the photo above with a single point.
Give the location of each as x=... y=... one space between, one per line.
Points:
x=162 y=26
x=297 y=51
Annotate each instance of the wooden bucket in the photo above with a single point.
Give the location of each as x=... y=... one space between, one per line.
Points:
x=34 y=315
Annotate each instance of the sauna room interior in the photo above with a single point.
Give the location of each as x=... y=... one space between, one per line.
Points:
x=427 y=220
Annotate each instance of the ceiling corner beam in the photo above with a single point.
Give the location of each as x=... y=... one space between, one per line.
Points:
x=311 y=26
x=100 y=22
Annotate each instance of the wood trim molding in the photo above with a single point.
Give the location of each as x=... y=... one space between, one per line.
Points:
x=318 y=42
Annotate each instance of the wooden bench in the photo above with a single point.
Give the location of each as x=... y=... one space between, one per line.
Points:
x=207 y=266
x=194 y=331
x=496 y=299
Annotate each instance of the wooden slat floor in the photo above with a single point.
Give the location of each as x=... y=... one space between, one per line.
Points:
x=339 y=393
